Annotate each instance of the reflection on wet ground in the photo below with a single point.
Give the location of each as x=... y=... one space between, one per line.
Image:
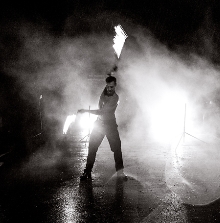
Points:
x=164 y=185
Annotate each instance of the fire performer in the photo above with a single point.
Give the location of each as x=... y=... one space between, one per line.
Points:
x=105 y=125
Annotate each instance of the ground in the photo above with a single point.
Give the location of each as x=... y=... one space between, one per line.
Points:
x=164 y=184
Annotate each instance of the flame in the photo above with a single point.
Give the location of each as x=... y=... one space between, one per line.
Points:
x=69 y=120
x=87 y=121
x=119 y=39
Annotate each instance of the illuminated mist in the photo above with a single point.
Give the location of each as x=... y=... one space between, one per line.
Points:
x=58 y=69
x=154 y=83
x=160 y=84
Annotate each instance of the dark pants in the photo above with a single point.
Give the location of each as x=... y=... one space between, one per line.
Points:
x=100 y=130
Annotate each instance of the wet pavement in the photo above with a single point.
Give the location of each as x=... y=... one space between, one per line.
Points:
x=165 y=183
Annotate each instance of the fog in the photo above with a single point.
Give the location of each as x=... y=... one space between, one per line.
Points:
x=155 y=83
x=167 y=87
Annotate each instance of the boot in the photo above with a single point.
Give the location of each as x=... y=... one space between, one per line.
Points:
x=121 y=175
x=86 y=175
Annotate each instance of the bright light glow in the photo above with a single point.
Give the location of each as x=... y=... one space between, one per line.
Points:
x=87 y=121
x=167 y=117
x=70 y=119
x=119 y=39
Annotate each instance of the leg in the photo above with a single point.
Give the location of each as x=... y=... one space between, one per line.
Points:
x=95 y=140
x=113 y=137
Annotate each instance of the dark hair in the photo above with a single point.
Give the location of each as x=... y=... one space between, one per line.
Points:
x=111 y=79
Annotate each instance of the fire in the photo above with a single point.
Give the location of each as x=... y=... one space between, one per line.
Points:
x=119 y=39
x=85 y=122
x=70 y=119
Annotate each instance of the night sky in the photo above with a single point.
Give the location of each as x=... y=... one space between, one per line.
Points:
x=179 y=23
x=171 y=18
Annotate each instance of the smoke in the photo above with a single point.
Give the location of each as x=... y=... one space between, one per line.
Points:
x=54 y=71
x=160 y=83
x=69 y=71
x=56 y=75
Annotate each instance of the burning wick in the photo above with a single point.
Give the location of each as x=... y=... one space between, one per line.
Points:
x=69 y=120
x=119 y=39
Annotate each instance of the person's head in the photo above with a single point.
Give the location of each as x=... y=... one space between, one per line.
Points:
x=111 y=83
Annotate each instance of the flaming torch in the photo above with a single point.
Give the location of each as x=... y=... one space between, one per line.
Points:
x=118 y=40
x=69 y=120
x=85 y=122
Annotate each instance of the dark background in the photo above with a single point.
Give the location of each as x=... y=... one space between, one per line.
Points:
x=172 y=22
